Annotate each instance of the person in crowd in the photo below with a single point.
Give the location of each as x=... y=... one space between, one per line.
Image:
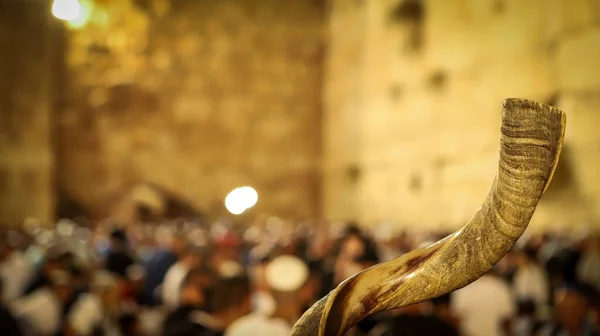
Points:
x=93 y=312
x=479 y=314
x=573 y=308
x=290 y=271
x=119 y=257
x=129 y=324
x=228 y=300
x=42 y=310
x=442 y=308
x=191 y=316
x=157 y=266
x=53 y=260
x=530 y=281
x=414 y=321
x=189 y=259
x=8 y=323
x=353 y=245
x=288 y=279
x=15 y=272
x=588 y=269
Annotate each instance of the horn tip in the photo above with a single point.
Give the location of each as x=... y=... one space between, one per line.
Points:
x=522 y=103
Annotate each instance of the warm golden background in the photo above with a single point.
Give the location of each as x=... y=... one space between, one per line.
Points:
x=375 y=110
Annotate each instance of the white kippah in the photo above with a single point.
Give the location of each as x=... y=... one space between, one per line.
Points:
x=286 y=273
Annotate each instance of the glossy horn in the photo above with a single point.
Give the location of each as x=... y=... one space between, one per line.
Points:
x=530 y=144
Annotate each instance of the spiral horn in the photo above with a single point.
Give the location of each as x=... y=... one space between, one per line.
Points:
x=530 y=145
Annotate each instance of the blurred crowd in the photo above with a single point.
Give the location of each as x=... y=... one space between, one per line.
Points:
x=184 y=277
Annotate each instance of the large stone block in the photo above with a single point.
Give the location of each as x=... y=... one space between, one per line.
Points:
x=583 y=117
x=227 y=99
x=577 y=60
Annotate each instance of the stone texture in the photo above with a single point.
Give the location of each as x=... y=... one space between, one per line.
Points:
x=26 y=153
x=201 y=98
x=577 y=60
x=429 y=118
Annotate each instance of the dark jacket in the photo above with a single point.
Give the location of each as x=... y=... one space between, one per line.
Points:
x=180 y=323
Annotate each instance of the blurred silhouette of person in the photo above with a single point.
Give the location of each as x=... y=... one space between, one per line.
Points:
x=8 y=323
x=288 y=279
x=588 y=269
x=119 y=257
x=52 y=261
x=157 y=266
x=192 y=316
x=92 y=314
x=229 y=300
x=532 y=289
x=42 y=310
x=173 y=280
x=486 y=307
x=573 y=308
x=15 y=272
x=442 y=308
x=413 y=321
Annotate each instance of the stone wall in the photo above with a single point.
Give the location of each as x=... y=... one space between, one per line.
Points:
x=26 y=160
x=415 y=100
x=197 y=97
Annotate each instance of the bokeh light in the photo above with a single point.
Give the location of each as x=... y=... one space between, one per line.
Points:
x=66 y=10
x=240 y=200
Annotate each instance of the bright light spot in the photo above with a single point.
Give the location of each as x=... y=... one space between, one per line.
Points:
x=66 y=10
x=240 y=200
x=84 y=14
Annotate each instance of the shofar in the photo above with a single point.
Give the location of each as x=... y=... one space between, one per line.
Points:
x=530 y=144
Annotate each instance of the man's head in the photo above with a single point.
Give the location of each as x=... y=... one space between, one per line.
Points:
x=573 y=305
x=61 y=284
x=229 y=298
x=191 y=256
x=193 y=290
x=527 y=256
x=118 y=240
x=288 y=278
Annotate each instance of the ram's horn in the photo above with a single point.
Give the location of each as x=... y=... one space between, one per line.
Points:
x=530 y=144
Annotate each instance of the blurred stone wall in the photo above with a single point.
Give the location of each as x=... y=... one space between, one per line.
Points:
x=26 y=149
x=414 y=92
x=198 y=97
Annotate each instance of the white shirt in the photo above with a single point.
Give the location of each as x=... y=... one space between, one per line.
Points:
x=484 y=305
x=172 y=283
x=15 y=272
x=87 y=314
x=41 y=310
x=530 y=282
x=257 y=324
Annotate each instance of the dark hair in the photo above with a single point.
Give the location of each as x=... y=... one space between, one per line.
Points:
x=369 y=257
x=127 y=323
x=586 y=290
x=530 y=253
x=352 y=229
x=197 y=273
x=118 y=235
x=228 y=292
x=443 y=300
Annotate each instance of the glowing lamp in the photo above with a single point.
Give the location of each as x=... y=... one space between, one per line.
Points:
x=66 y=10
x=240 y=200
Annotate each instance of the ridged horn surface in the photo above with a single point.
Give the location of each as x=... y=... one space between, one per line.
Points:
x=530 y=144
